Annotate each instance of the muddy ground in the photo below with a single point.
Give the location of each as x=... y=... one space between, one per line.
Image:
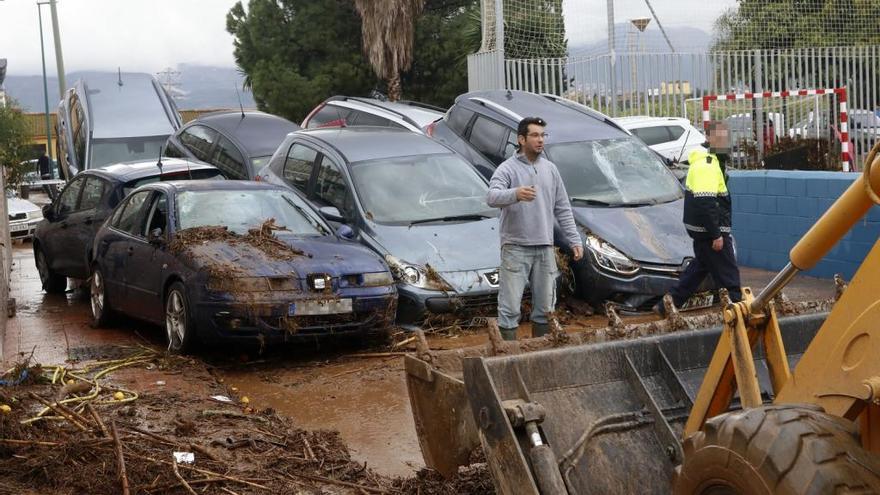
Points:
x=349 y=399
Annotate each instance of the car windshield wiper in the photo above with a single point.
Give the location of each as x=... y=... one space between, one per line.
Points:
x=593 y=202
x=451 y=218
x=305 y=215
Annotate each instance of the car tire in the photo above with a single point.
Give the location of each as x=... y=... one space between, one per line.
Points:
x=102 y=313
x=52 y=282
x=179 y=322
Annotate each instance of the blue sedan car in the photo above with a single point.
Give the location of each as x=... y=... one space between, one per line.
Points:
x=233 y=261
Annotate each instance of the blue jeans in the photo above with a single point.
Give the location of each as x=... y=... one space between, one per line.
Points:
x=535 y=265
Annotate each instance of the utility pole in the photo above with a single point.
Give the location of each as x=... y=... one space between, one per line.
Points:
x=45 y=82
x=613 y=55
x=499 y=42
x=59 y=58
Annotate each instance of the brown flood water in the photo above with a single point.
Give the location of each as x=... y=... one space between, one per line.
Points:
x=365 y=400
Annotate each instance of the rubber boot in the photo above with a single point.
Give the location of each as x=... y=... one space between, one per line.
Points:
x=540 y=329
x=508 y=333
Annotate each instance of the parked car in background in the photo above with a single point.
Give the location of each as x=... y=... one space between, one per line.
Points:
x=23 y=216
x=269 y=269
x=625 y=201
x=108 y=119
x=811 y=127
x=63 y=239
x=743 y=135
x=672 y=137
x=236 y=142
x=864 y=125
x=347 y=111
x=410 y=199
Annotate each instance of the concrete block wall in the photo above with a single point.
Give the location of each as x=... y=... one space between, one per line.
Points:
x=772 y=209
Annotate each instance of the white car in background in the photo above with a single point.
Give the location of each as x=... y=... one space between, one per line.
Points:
x=672 y=137
x=23 y=216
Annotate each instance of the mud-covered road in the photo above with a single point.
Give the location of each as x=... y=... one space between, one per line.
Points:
x=351 y=388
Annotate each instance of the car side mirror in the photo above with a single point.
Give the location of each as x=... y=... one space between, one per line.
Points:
x=155 y=237
x=331 y=214
x=345 y=232
x=49 y=212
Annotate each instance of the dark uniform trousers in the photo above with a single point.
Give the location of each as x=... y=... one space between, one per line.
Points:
x=720 y=264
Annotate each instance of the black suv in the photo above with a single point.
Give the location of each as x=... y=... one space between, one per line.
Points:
x=626 y=202
x=63 y=239
x=237 y=143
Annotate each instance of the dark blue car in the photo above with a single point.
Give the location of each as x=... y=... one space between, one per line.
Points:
x=235 y=260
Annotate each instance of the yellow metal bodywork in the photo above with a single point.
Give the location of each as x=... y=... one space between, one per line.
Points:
x=840 y=369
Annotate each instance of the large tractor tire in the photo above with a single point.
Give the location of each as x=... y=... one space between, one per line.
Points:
x=783 y=450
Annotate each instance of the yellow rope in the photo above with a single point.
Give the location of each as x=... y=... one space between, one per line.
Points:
x=59 y=373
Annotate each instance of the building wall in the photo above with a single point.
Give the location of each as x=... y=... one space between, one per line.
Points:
x=772 y=209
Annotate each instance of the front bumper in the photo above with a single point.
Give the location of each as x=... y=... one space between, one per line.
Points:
x=22 y=229
x=640 y=290
x=269 y=320
x=416 y=304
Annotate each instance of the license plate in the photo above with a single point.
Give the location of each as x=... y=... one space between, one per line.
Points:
x=698 y=301
x=320 y=307
x=18 y=227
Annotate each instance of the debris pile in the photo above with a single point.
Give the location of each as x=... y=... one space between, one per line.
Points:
x=69 y=431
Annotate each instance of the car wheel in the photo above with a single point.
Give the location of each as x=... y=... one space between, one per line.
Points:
x=52 y=282
x=101 y=312
x=179 y=326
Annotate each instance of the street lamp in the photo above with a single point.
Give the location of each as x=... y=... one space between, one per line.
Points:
x=45 y=82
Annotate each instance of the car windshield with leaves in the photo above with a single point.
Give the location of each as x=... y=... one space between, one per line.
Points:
x=240 y=211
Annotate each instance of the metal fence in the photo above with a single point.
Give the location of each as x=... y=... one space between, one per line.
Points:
x=673 y=84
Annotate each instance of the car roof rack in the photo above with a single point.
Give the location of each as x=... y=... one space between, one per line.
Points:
x=495 y=106
x=580 y=107
x=375 y=103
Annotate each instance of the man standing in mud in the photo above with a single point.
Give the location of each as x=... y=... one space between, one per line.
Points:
x=707 y=221
x=529 y=191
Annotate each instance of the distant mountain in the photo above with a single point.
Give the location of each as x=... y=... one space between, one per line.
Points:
x=684 y=40
x=196 y=87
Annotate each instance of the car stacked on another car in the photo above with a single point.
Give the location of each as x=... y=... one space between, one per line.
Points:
x=106 y=119
x=347 y=111
x=413 y=201
x=237 y=143
x=267 y=269
x=625 y=200
x=63 y=239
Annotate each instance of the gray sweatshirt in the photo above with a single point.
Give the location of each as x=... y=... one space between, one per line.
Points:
x=530 y=223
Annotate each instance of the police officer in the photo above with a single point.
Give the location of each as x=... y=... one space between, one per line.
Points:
x=707 y=220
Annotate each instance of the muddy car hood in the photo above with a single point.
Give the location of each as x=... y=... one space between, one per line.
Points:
x=447 y=247
x=320 y=255
x=648 y=234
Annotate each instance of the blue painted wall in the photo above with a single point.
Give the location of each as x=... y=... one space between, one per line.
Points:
x=772 y=209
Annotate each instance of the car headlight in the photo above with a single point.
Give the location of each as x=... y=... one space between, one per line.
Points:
x=608 y=257
x=35 y=215
x=423 y=277
x=377 y=279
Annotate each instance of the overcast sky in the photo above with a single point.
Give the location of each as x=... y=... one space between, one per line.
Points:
x=149 y=35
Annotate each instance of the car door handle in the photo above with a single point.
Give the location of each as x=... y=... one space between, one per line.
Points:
x=88 y=220
x=130 y=250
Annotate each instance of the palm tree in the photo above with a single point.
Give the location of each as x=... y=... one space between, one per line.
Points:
x=387 y=31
